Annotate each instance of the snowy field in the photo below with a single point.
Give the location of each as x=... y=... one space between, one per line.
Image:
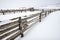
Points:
x=48 y=29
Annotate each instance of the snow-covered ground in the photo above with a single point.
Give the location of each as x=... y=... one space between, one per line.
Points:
x=48 y=29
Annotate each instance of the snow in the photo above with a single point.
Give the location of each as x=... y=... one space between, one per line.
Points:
x=48 y=29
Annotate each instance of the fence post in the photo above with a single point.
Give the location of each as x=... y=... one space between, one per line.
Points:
x=45 y=13
x=21 y=11
x=40 y=17
x=2 y=11
x=20 y=27
x=48 y=12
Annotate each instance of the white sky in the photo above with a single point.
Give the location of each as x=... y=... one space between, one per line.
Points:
x=5 y=4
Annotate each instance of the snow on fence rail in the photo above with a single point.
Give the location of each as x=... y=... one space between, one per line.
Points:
x=17 y=25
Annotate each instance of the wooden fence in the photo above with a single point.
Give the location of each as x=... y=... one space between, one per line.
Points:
x=18 y=26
